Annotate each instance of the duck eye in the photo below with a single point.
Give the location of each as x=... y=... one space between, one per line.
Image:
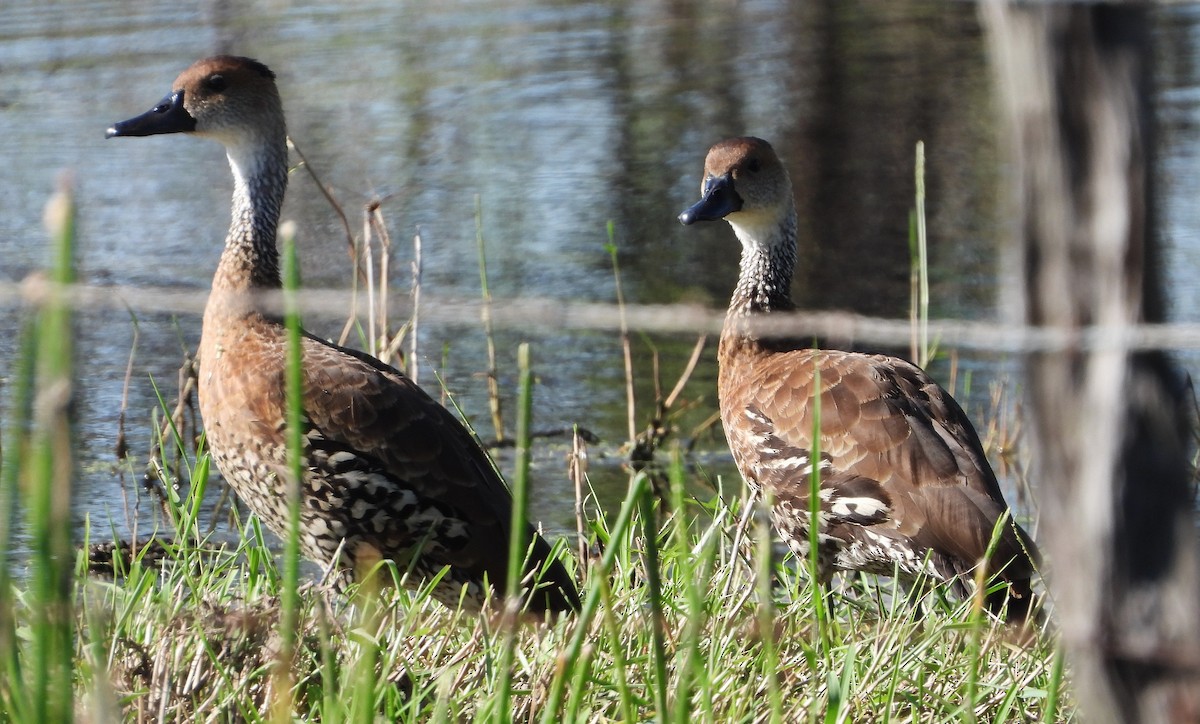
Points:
x=215 y=83
x=752 y=165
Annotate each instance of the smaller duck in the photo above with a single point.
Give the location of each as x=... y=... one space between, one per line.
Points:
x=905 y=486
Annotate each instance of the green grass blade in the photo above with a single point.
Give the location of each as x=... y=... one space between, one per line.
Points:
x=518 y=536
x=49 y=486
x=919 y=254
x=814 y=511
x=766 y=607
x=1054 y=690
x=693 y=570
x=617 y=546
x=12 y=693
x=654 y=593
x=294 y=379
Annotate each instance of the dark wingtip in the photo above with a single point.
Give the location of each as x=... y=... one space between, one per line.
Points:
x=554 y=589
x=558 y=593
x=1016 y=603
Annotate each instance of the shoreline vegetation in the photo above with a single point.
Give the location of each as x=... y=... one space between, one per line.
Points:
x=690 y=612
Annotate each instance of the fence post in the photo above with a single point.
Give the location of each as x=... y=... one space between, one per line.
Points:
x=1112 y=432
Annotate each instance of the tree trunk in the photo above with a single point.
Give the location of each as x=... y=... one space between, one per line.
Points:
x=1112 y=431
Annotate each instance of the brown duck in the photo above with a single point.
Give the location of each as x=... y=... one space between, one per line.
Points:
x=904 y=483
x=388 y=472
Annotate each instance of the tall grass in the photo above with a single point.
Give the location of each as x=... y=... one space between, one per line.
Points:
x=196 y=639
x=20 y=409
x=919 y=256
x=38 y=652
x=518 y=538
x=684 y=618
x=294 y=379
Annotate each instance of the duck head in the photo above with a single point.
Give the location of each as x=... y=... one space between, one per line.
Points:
x=746 y=184
x=226 y=98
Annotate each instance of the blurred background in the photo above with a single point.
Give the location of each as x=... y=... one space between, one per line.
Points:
x=558 y=117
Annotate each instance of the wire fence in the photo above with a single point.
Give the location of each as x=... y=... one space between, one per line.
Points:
x=544 y=314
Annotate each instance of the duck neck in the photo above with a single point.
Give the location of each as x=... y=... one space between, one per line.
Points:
x=250 y=260
x=768 y=258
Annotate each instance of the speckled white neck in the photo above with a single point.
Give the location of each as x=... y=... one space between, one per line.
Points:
x=250 y=258
x=768 y=259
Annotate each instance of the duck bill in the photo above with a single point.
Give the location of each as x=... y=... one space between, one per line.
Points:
x=169 y=116
x=719 y=200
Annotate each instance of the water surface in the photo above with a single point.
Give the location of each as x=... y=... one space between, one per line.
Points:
x=556 y=118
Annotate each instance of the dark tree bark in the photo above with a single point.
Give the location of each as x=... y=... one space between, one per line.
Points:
x=1112 y=432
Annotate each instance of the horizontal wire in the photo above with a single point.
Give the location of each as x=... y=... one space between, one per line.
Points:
x=543 y=314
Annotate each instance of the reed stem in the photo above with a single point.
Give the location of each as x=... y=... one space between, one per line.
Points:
x=294 y=379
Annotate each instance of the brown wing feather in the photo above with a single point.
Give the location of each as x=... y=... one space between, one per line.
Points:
x=388 y=469
x=381 y=413
x=884 y=420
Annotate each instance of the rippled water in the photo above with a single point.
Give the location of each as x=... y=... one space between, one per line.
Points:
x=558 y=117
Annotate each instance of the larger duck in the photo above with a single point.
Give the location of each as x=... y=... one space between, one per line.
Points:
x=388 y=472
x=905 y=486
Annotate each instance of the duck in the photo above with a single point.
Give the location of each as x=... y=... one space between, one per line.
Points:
x=904 y=485
x=388 y=473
